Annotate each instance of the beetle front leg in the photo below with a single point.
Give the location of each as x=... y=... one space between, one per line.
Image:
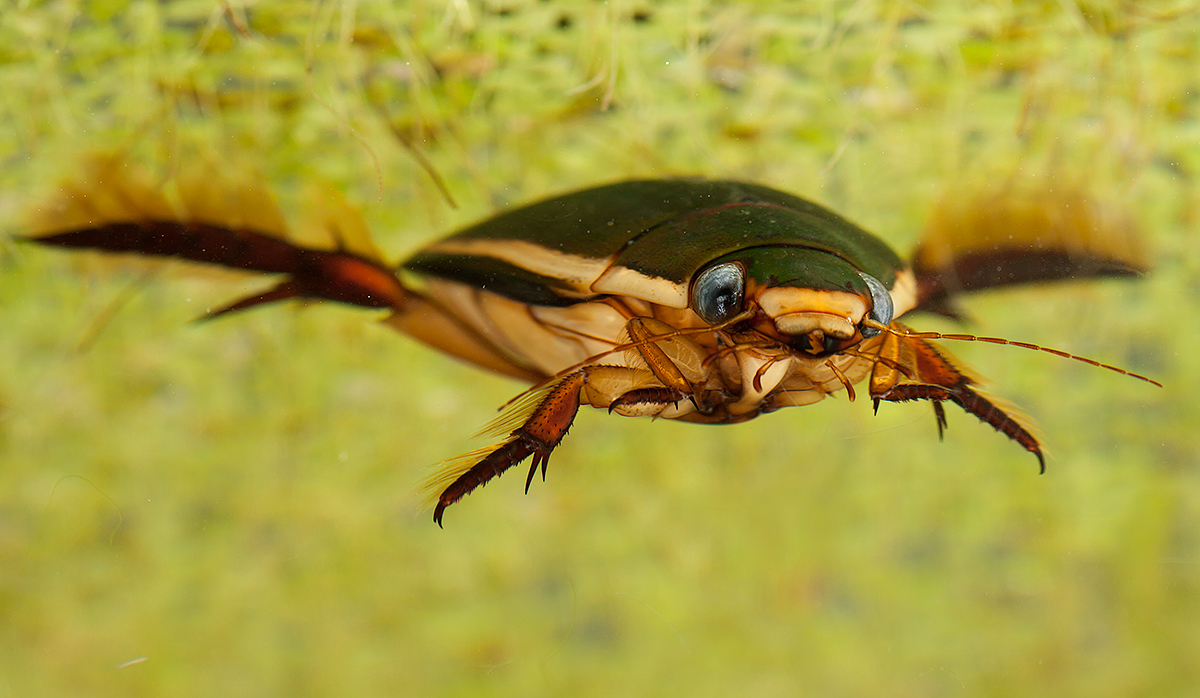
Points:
x=646 y=402
x=677 y=363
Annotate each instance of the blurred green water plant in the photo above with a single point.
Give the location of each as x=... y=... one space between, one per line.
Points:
x=233 y=501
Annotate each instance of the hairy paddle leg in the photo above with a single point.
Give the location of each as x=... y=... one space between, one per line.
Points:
x=911 y=368
x=674 y=366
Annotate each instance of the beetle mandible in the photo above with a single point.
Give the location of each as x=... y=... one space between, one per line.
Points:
x=704 y=301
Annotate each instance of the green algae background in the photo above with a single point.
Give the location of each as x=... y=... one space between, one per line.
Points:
x=229 y=508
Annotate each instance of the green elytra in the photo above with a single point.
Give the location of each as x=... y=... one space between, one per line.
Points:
x=664 y=231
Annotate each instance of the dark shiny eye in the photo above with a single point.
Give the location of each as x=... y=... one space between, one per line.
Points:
x=881 y=304
x=718 y=292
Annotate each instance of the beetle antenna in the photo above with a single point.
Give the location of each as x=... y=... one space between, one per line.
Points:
x=901 y=331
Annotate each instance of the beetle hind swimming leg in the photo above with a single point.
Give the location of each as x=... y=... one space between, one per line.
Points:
x=214 y=220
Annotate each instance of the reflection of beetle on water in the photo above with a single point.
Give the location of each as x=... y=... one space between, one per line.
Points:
x=705 y=301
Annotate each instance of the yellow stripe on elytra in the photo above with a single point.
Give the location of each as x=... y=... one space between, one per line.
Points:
x=583 y=275
x=623 y=281
x=578 y=273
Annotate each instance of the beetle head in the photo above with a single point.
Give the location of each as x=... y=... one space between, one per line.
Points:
x=813 y=300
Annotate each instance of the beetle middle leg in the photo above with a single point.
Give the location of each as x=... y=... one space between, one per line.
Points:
x=547 y=423
x=673 y=370
x=910 y=368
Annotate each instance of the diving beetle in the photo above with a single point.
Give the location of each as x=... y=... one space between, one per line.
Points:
x=704 y=301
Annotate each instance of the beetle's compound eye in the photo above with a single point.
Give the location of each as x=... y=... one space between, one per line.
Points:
x=718 y=292
x=881 y=304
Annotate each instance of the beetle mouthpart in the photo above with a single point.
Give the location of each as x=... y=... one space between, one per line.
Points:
x=797 y=311
x=800 y=324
